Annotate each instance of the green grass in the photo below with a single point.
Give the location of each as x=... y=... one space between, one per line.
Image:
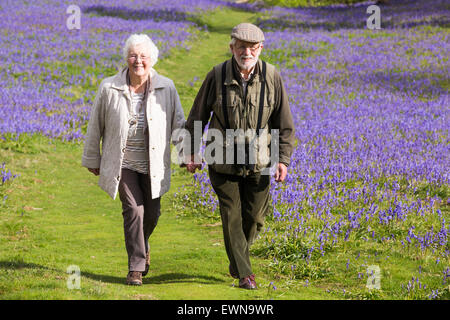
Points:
x=56 y=216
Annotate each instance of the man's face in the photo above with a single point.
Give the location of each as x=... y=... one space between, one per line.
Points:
x=246 y=53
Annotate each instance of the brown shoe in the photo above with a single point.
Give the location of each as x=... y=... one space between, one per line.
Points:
x=147 y=264
x=134 y=278
x=248 y=283
x=233 y=272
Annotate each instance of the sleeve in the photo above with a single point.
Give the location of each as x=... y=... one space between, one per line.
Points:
x=178 y=120
x=281 y=119
x=200 y=113
x=91 y=157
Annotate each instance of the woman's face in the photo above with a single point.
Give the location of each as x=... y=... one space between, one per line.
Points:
x=139 y=60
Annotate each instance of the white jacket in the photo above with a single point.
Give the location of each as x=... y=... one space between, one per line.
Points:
x=109 y=124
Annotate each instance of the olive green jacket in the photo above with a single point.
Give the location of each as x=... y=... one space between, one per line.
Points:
x=243 y=112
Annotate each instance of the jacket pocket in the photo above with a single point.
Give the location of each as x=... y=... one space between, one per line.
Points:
x=254 y=110
x=232 y=109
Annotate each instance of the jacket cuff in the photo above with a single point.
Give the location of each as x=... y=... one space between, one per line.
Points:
x=285 y=160
x=90 y=162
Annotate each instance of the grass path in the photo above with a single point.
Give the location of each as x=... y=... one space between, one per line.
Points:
x=56 y=216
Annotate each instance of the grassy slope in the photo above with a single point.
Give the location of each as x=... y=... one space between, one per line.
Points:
x=56 y=216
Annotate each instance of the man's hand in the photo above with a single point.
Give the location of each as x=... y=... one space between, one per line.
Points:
x=281 y=172
x=95 y=171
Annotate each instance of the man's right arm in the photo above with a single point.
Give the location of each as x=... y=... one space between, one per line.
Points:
x=201 y=111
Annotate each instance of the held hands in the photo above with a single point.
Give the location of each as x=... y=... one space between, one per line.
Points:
x=280 y=173
x=191 y=165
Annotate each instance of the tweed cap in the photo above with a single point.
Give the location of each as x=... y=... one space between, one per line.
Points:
x=247 y=32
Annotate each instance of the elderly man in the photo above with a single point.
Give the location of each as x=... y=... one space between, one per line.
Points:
x=243 y=93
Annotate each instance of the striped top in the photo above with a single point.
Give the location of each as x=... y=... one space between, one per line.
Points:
x=136 y=154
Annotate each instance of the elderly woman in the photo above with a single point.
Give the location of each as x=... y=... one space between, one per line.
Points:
x=133 y=117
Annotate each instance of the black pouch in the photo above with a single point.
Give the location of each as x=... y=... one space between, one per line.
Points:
x=243 y=162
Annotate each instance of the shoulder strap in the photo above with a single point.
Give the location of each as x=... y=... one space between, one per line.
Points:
x=224 y=96
x=261 y=97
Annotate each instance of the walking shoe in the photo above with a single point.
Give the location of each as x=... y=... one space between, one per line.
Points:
x=233 y=272
x=147 y=264
x=248 y=283
x=134 y=278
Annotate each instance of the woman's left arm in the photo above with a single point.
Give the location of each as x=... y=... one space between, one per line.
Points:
x=91 y=158
x=178 y=120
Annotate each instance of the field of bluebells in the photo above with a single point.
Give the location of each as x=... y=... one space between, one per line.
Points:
x=369 y=179
x=368 y=183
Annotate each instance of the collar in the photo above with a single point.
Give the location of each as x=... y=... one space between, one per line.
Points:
x=249 y=76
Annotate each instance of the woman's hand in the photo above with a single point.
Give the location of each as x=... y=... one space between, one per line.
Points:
x=95 y=171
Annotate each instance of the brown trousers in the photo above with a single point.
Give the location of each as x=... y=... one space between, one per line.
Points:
x=140 y=216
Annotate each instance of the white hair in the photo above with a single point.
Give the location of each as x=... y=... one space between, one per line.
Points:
x=136 y=39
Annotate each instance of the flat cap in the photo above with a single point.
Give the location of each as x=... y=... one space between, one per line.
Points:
x=247 y=32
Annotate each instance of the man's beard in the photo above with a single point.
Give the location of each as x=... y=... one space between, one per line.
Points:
x=249 y=64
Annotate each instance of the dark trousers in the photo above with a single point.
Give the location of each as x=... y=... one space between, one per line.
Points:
x=140 y=216
x=244 y=203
